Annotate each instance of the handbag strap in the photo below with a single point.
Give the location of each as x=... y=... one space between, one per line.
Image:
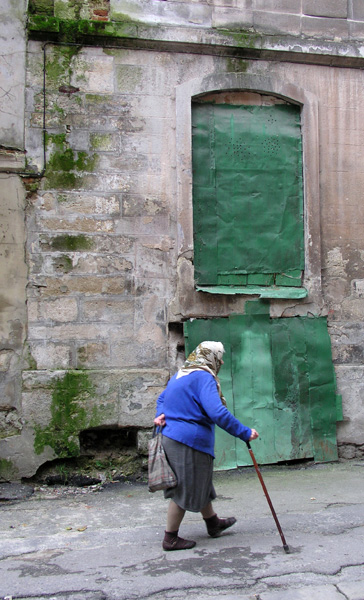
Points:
x=157 y=429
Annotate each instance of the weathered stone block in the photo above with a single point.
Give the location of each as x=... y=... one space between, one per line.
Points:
x=85 y=284
x=88 y=204
x=100 y=398
x=5 y=359
x=124 y=351
x=140 y=79
x=138 y=392
x=136 y=205
x=356 y=30
x=109 y=311
x=75 y=331
x=357 y=287
x=275 y=23
x=102 y=265
x=292 y=7
x=93 y=354
x=350 y=380
x=321 y=8
x=12 y=67
x=79 y=140
x=175 y=13
x=147 y=286
x=154 y=258
x=107 y=104
x=62 y=310
x=141 y=226
x=93 y=72
x=85 y=224
x=358 y=10
x=10 y=422
x=143 y=438
x=348 y=354
x=100 y=244
x=121 y=124
x=48 y=355
x=104 y=142
x=325 y=28
x=108 y=182
x=126 y=162
x=232 y=18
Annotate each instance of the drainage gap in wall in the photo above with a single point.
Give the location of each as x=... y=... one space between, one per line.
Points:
x=106 y=454
x=107 y=441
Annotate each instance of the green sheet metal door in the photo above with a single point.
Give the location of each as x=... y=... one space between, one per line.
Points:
x=278 y=377
x=247 y=194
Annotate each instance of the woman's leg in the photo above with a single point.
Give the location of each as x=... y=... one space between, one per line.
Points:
x=215 y=526
x=171 y=540
x=175 y=515
x=207 y=512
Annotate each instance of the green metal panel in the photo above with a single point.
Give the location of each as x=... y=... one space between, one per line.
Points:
x=253 y=383
x=254 y=290
x=249 y=160
x=279 y=378
x=322 y=389
x=204 y=206
x=292 y=422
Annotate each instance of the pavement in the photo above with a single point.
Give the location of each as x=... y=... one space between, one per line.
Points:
x=105 y=543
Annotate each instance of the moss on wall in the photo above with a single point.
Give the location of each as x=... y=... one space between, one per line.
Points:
x=71 y=243
x=41 y=7
x=59 y=65
x=65 y=168
x=242 y=38
x=69 y=415
x=76 y=31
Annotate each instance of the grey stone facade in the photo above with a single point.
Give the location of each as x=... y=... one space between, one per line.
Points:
x=96 y=245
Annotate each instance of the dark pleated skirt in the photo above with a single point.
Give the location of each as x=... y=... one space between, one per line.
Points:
x=194 y=475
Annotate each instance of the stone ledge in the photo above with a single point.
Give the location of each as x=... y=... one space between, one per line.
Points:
x=216 y=42
x=12 y=160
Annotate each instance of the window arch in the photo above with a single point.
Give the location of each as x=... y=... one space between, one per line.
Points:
x=227 y=84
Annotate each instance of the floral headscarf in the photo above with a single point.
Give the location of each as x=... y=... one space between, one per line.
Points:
x=206 y=357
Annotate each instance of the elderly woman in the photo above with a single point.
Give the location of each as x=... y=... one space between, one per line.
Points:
x=188 y=410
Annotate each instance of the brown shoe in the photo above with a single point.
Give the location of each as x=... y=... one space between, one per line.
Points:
x=173 y=542
x=216 y=526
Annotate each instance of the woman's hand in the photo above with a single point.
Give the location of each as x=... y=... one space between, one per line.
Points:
x=160 y=421
x=254 y=435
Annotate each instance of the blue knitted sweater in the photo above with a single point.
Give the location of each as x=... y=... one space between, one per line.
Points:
x=192 y=406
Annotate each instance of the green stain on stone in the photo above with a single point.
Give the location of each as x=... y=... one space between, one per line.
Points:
x=71 y=243
x=69 y=415
x=41 y=7
x=65 y=168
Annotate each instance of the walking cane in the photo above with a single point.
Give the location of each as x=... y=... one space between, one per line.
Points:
x=285 y=545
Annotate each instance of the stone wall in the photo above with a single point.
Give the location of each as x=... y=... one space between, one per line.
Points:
x=13 y=270
x=319 y=19
x=109 y=231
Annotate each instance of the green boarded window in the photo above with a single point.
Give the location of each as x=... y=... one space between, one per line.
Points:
x=247 y=195
x=277 y=377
